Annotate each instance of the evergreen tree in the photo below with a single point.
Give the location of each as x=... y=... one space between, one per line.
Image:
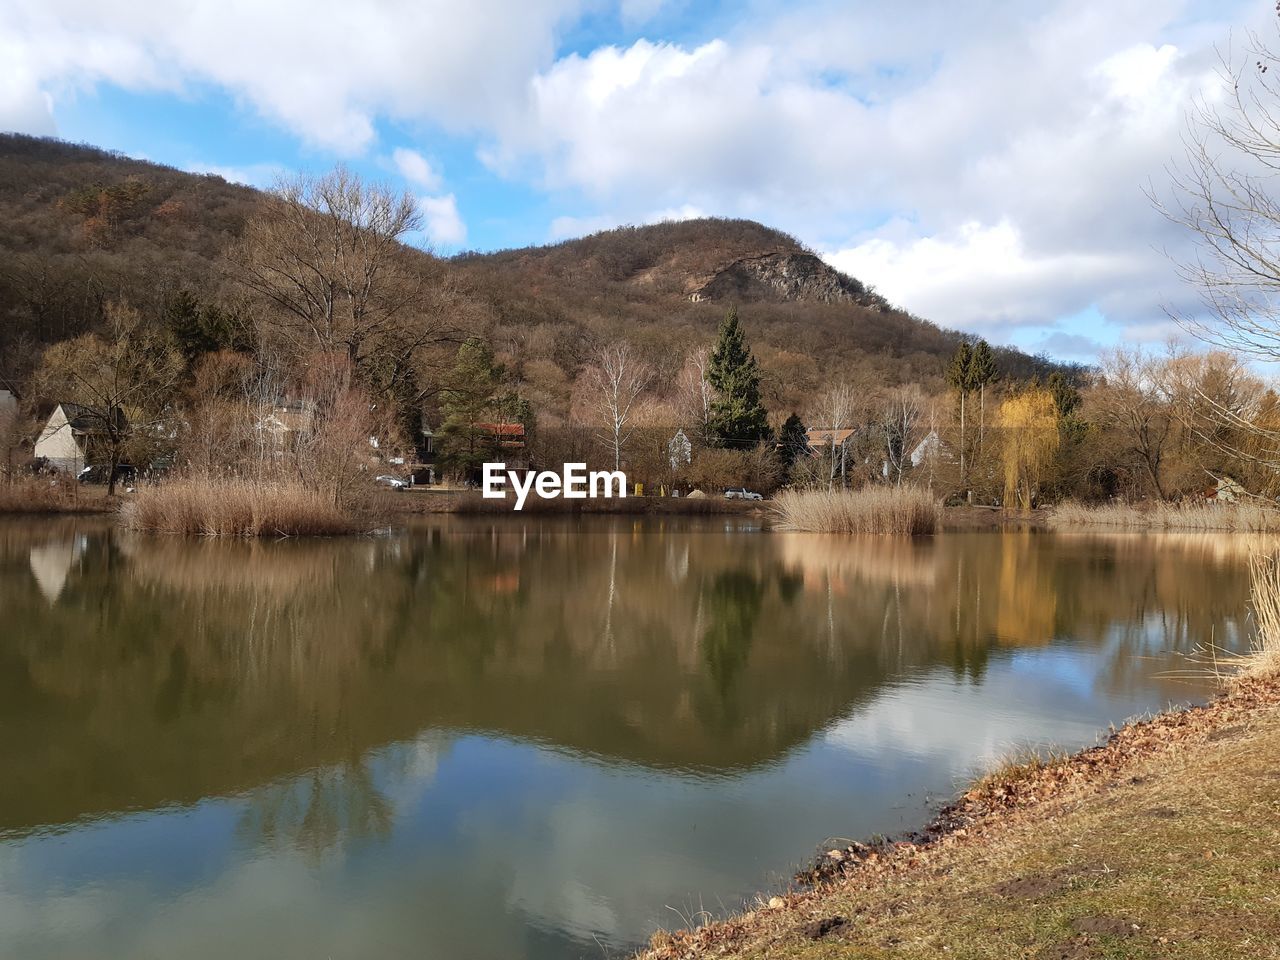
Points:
x=982 y=371
x=792 y=441
x=738 y=419
x=1065 y=395
x=469 y=400
x=198 y=327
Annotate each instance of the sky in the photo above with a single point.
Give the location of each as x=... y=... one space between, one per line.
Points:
x=985 y=165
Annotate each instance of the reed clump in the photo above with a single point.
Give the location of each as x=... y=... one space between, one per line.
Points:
x=38 y=495
x=1263 y=660
x=234 y=507
x=1239 y=517
x=901 y=511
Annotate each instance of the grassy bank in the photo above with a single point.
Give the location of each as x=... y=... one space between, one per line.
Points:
x=904 y=511
x=233 y=508
x=1160 y=843
x=1244 y=517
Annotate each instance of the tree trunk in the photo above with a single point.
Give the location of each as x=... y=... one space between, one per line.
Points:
x=114 y=459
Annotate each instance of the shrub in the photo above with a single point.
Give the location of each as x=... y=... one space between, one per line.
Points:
x=904 y=511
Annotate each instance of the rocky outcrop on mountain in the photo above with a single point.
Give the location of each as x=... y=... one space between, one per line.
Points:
x=784 y=276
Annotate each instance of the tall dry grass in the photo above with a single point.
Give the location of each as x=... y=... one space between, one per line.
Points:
x=1264 y=596
x=1242 y=517
x=903 y=511
x=233 y=507
x=40 y=495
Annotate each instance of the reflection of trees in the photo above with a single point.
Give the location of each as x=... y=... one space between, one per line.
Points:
x=733 y=604
x=319 y=811
x=168 y=670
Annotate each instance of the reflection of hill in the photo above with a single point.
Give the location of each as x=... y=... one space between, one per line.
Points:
x=168 y=671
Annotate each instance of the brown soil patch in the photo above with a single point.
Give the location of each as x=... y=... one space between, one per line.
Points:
x=1032 y=888
x=826 y=927
x=1105 y=926
x=1068 y=950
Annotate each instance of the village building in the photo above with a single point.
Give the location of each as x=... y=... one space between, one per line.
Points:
x=70 y=437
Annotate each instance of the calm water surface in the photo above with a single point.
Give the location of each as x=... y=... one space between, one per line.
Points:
x=502 y=739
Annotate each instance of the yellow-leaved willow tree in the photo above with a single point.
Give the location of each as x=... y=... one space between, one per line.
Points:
x=1028 y=423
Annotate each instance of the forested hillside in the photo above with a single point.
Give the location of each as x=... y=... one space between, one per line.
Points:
x=86 y=228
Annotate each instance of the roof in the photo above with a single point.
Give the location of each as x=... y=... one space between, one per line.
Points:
x=820 y=436
x=84 y=419
x=502 y=429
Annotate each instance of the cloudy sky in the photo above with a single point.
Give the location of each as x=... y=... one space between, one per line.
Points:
x=982 y=164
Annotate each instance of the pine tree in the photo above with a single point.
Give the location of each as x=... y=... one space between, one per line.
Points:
x=738 y=419
x=469 y=399
x=792 y=441
x=982 y=371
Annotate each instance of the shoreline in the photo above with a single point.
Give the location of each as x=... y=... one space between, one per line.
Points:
x=833 y=900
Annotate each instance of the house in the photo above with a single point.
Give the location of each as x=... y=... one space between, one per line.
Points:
x=825 y=443
x=286 y=423
x=930 y=448
x=820 y=439
x=508 y=436
x=67 y=442
x=1226 y=490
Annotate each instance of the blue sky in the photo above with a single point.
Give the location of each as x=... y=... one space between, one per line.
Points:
x=983 y=167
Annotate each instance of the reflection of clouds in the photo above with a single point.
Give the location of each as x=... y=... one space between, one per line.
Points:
x=1033 y=698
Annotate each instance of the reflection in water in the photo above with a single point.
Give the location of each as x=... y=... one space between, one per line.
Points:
x=505 y=738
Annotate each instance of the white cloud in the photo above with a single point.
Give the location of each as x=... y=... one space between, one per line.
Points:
x=984 y=278
x=324 y=69
x=443 y=225
x=415 y=168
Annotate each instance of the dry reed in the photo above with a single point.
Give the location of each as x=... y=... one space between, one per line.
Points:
x=1263 y=660
x=218 y=507
x=902 y=511
x=1242 y=517
x=39 y=495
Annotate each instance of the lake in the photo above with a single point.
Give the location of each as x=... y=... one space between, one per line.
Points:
x=505 y=738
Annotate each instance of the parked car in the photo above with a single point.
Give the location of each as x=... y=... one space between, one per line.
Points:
x=395 y=483
x=742 y=494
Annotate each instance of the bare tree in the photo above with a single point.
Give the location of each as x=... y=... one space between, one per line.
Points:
x=1126 y=399
x=901 y=422
x=326 y=260
x=835 y=412
x=618 y=378
x=1225 y=194
x=121 y=383
x=695 y=392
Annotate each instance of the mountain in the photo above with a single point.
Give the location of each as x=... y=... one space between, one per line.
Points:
x=87 y=226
